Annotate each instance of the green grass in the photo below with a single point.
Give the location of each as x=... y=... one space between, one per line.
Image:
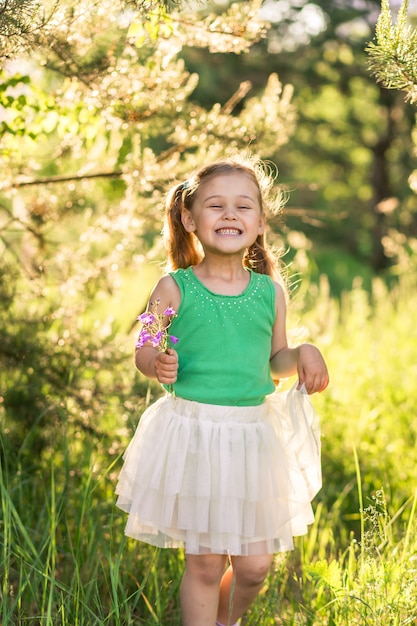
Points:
x=64 y=558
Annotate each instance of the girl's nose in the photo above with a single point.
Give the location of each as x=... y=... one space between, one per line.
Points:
x=229 y=214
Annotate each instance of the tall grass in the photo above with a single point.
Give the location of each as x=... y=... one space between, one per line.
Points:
x=64 y=558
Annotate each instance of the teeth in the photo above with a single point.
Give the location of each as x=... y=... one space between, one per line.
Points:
x=229 y=231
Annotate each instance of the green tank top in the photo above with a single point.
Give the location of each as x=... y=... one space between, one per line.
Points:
x=224 y=342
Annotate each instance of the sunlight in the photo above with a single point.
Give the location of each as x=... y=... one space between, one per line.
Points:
x=298 y=22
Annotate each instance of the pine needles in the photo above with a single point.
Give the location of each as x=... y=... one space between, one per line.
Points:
x=393 y=55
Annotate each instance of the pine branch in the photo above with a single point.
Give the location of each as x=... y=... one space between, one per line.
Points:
x=23 y=21
x=20 y=21
x=146 y=5
x=63 y=179
x=393 y=55
x=18 y=17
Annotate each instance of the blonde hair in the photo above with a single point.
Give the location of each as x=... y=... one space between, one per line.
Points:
x=184 y=249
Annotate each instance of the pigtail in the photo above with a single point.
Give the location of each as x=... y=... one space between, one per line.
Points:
x=181 y=246
x=262 y=259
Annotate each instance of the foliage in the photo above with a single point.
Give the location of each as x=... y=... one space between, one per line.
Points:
x=23 y=23
x=19 y=21
x=393 y=57
x=372 y=582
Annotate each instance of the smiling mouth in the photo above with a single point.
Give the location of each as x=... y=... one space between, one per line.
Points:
x=229 y=231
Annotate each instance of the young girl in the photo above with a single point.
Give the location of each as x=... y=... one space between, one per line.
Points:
x=222 y=465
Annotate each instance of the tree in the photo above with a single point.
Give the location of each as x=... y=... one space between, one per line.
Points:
x=96 y=123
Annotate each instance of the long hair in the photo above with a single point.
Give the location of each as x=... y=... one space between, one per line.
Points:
x=184 y=249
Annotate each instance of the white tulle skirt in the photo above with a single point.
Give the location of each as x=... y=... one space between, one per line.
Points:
x=220 y=479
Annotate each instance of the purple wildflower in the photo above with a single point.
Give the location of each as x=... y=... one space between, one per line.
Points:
x=156 y=339
x=147 y=318
x=154 y=327
x=144 y=336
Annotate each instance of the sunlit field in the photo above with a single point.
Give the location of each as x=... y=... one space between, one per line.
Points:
x=65 y=560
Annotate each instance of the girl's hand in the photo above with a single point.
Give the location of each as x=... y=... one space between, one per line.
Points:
x=312 y=369
x=166 y=367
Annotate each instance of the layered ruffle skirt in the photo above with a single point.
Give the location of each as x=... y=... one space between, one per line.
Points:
x=221 y=479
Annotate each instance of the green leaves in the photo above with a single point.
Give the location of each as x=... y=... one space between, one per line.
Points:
x=157 y=23
x=327 y=574
x=13 y=101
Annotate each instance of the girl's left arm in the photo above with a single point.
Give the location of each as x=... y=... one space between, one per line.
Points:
x=306 y=360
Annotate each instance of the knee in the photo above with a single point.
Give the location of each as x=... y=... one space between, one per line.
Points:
x=208 y=569
x=252 y=571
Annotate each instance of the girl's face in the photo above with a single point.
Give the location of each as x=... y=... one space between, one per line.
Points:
x=226 y=214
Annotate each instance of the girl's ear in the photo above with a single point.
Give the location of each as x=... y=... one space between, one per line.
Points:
x=187 y=221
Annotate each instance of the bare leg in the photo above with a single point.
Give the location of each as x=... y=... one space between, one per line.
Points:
x=240 y=585
x=200 y=589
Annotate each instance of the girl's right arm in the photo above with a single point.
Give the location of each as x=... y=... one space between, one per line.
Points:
x=149 y=360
